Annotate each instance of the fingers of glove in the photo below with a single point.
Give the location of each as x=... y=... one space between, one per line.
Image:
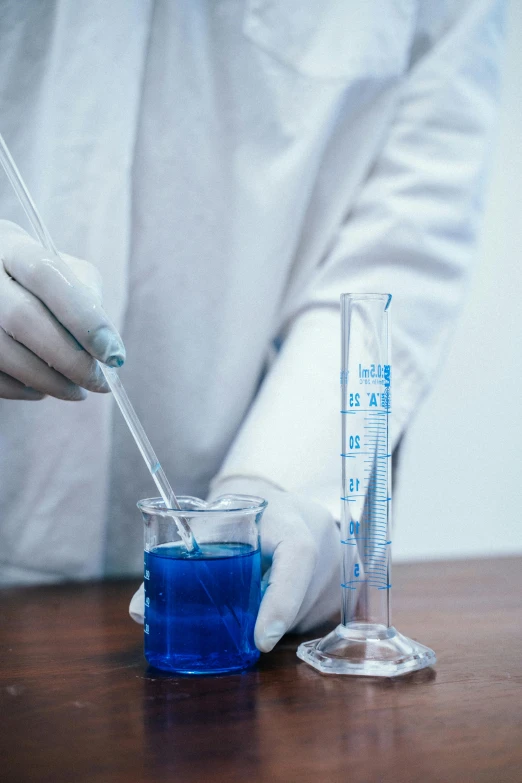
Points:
x=293 y=564
x=73 y=303
x=325 y=606
x=137 y=605
x=11 y=389
x=24 y=366
x=321 y=602
x=28 y=321
x=87 y=274
x=327 y=536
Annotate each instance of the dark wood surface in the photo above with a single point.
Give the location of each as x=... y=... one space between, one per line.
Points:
x=77 y=702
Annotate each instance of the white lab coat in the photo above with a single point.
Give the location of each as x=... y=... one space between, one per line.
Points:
x=232 y=167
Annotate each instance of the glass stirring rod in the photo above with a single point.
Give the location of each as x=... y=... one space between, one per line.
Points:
x=111 y=376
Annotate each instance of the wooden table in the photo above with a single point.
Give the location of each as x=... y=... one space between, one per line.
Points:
x=77 y=702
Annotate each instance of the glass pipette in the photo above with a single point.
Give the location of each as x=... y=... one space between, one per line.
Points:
x=111 y=376
x=227 y=614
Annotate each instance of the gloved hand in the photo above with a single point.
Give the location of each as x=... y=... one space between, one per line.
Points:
x=52 y=324
x=301 y=553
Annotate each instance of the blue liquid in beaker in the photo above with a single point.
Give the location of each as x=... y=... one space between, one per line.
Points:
x=190 y=630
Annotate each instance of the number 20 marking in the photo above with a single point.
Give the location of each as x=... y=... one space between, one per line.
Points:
x=355 y=442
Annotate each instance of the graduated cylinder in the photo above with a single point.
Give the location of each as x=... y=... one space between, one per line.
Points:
x=366 y=460
x=365 y=642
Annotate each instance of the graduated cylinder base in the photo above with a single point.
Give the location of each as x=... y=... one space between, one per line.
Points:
x=366 y=649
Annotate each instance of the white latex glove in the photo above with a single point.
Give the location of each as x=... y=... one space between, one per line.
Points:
x=301 y=548
x=52 y=323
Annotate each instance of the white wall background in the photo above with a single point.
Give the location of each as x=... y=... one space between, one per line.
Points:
x=460 y=487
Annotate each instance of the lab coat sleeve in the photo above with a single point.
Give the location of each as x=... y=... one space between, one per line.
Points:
x=411 y=233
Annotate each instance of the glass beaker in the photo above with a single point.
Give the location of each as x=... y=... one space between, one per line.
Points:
x=201 y=609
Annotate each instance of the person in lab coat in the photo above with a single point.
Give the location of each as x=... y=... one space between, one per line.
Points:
x=228 y=169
